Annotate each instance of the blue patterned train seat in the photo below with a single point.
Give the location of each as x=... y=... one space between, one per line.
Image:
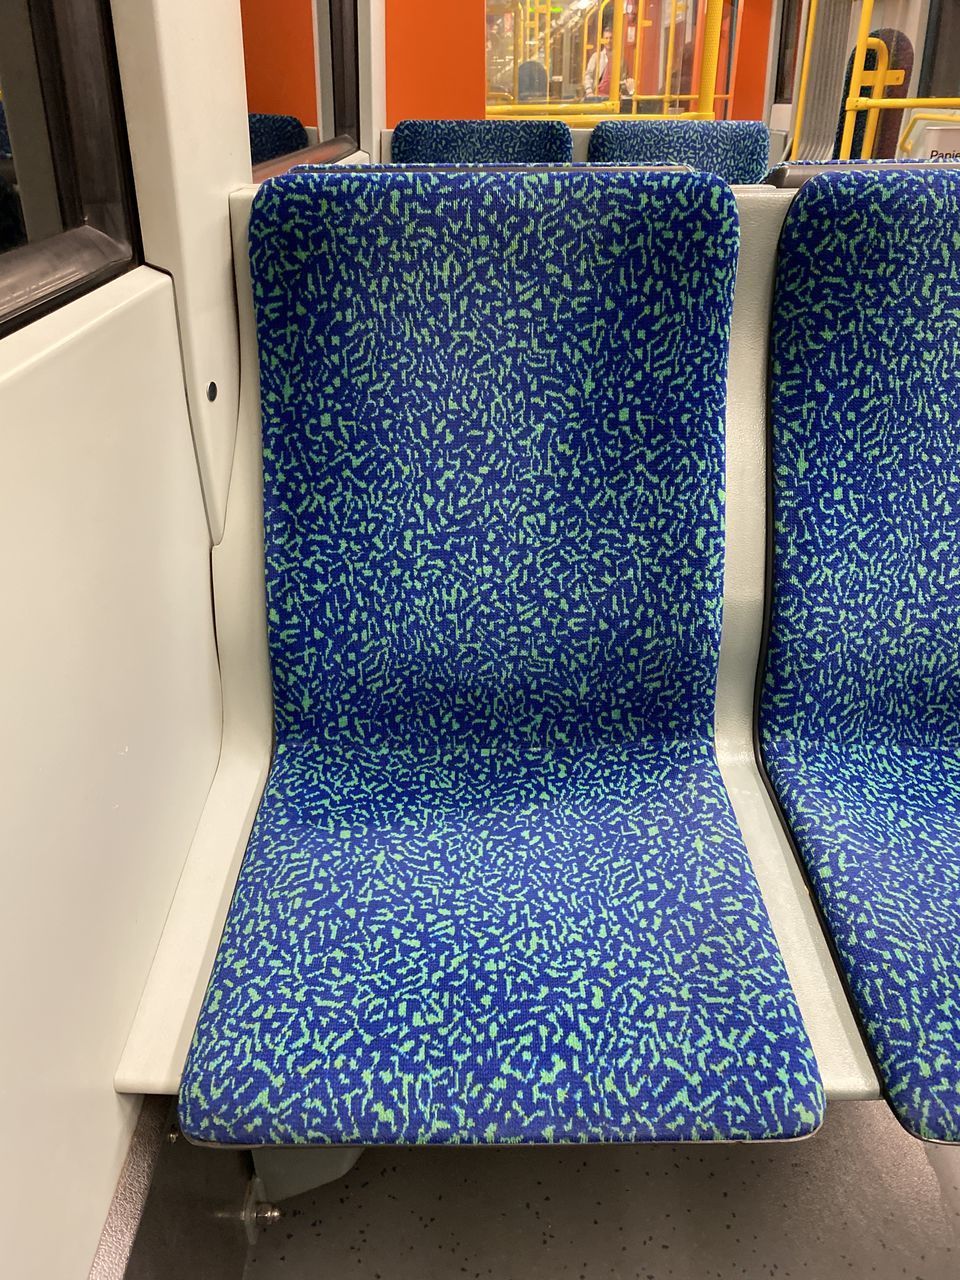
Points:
x=736 y=150
x=860 y=705
x=273 y=135
x=495 y=891
x=481 y=142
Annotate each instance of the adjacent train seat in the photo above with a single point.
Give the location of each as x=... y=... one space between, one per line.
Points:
x=274 y=135
x=860 y=701
x=736 y=150
x=481 y=142
x=495 y=891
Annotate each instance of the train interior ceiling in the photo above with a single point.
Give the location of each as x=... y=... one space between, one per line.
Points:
x=482 y=699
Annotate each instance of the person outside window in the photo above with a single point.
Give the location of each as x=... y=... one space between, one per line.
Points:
x=596 y=77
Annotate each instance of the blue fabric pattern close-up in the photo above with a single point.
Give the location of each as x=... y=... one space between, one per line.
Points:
x=274 y=135
x=860 y=705
x=495 y=891
x=481 y=142
x=735 y=150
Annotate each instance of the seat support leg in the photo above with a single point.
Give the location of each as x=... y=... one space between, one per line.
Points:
x=288 y=1171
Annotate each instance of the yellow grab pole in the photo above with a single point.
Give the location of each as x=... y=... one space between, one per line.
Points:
x=585 y=43
x=617 y=53
x=547 y=47
x=711 y=58
x=517 y=48
x=856 y=79
x=804 y=78
x=671 y=47
x=642 y=25
x=879 y=82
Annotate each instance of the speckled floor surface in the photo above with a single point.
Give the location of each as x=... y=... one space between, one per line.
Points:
x=857 y=1200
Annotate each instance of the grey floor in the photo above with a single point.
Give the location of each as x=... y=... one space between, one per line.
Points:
x=857 y=1200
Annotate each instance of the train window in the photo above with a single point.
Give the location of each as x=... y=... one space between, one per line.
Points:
x=609 y=57
x=346 y=80
x=303 y=86
x=789 y=46
x=67 y=214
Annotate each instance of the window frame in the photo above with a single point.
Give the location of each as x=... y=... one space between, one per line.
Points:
x=74 y=46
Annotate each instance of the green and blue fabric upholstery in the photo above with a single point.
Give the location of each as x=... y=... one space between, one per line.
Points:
x=736 y=150
x=495 y=891
x=860 y=704
x=272 y=136
x=481 y=142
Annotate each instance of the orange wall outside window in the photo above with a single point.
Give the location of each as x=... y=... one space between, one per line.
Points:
x=278 y=52
x=436 y=60
x=749 y=91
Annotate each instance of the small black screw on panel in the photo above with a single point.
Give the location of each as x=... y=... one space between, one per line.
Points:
x=212 y=392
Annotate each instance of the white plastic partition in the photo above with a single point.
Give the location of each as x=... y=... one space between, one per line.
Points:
x=181 y=66
x=110 y=706
x=160 y=1035
x=844 y=1063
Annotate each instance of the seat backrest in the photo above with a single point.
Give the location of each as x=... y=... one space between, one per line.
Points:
x=865 y=626
x=736 y=150
x=482 y=142
x=493 y=428
x=272 y=136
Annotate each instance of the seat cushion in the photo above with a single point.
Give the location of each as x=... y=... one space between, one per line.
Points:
x=274 y=135
x=495 y=891
x=496 y=947
x=736 y=150
x=860 y=709
x=481 y=142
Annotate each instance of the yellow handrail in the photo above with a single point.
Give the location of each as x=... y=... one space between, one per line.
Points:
x=899 y=104
x=616 y=71
x=804 y=79
x=711 y=57
x=928 y=116
x=671 y=48
x=880 y=78
x=642 y=25
x=517 y=48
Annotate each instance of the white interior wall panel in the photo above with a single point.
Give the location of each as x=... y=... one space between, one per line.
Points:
x=185 y=100
x=111 y=714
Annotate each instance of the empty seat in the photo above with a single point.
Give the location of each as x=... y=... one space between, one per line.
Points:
x=495 y=891
x=272 y=136
x=860 y=705
x=737 y=150
x=481 y=142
